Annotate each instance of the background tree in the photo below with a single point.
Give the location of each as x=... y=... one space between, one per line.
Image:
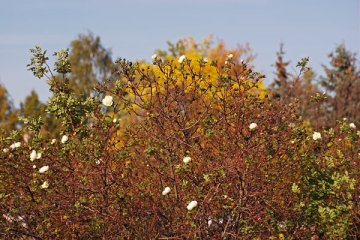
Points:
x=32 y=108
x=209 y=48
x=342 y=84
x=299 y=90
x=280 y=85
x=90 y=63
x=8 y=114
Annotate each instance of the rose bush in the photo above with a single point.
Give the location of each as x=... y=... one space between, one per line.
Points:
x=199 y=151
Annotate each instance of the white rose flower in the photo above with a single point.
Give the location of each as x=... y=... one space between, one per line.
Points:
x=64 y=139
x=230 y=56
x=45 y=185
x=252 y=126
x=34 y=166
x=108 y=101
x=192 y=205
x=22 y=219
x=43 y=169
x=5 y=150
x=154 y=57
x=97 y=162
x=114 y=120
x=53 y=141
x=32 y=155
x=38 y=155
x=15 y=145
x=182 y=58
x=316 y=136
x=8 y=218
x=206 y=60
x=352 y=125
x=166 y=191
x=282 y=225
x=186 y=159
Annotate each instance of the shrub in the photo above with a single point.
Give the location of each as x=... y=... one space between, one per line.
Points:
x=186 y=147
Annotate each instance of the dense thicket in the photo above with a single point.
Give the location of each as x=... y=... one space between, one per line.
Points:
x=189 y=146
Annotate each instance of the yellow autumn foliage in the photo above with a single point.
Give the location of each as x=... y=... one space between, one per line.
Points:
x=209 y=78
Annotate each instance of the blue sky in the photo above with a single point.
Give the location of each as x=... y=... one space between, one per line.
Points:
x=134 y=29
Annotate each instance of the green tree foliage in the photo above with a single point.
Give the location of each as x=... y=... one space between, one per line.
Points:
x=33 y=109
x=90 y=63
x=86 y=64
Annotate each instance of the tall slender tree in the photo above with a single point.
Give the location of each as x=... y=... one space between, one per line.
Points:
x=298 y=90
x=281 y=85
x=342 y=83
x=90 y=63
x=8 y=114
